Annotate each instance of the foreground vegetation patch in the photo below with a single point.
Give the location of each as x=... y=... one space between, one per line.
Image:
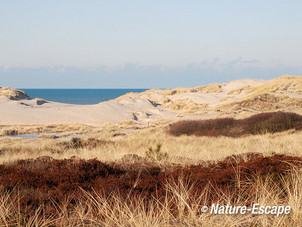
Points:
x=258 y=124
x=45 y=180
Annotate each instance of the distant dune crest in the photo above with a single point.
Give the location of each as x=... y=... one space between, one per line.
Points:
x=12 y=93
x=239 y=98
x=247 y=95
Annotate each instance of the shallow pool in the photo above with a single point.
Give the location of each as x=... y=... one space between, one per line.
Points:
x=26 y=136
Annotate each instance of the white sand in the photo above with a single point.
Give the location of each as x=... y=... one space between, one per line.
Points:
x=28 y=112
x=137 y=107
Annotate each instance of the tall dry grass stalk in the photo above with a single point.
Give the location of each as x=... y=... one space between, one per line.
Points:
x=11 y=213
x=181 y=206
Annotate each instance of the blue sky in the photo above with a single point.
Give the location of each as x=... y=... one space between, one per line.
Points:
x=145 y=44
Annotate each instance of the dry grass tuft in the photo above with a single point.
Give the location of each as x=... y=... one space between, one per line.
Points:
x=73 y=128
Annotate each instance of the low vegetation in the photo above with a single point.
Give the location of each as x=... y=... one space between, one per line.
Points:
x=90 y=143
x=78 y=192
x=258 y=124
x=156 y=154
x=184 y=150
x=64 y=128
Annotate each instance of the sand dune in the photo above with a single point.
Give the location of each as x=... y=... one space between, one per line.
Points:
x=237 y=99
x=29 y=112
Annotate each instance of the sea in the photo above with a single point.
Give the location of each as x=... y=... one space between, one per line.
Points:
x=78 y=96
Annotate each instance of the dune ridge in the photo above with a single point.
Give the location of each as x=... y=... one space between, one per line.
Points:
x=12 y=93
x=239 y=98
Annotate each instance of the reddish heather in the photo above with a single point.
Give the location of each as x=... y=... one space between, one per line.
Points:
x=257 y=124
x=44 y=178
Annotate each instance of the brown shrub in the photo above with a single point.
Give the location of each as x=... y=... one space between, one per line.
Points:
x=48 y=179
x=257 y=124
x=272 y=122
x=11 y=132
x=211 y=127
x=90 y=143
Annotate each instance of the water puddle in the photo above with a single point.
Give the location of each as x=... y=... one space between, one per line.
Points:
x=25 y=136
x=70 y=137
x=45 y=135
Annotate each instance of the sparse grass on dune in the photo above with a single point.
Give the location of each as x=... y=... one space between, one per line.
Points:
x=280 y=84
x=204 y=89
x=12 y=93
x=283 y=93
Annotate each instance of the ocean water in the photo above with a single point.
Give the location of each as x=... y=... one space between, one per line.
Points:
x=78 y=96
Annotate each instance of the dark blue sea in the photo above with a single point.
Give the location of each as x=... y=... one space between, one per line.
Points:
x=78 y=96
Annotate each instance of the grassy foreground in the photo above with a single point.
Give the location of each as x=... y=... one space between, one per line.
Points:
x=136 y=176
x=91 y=193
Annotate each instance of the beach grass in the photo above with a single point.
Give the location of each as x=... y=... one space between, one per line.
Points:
x=180 y=207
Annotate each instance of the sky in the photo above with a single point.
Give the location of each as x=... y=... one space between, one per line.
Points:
x=147 y=44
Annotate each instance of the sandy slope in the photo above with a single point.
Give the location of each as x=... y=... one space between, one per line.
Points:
x=236 y=98
x=29 y=112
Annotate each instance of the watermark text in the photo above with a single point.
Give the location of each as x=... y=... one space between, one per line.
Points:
x=255 y=209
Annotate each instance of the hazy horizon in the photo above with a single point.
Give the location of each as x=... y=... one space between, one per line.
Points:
x=140 y=44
